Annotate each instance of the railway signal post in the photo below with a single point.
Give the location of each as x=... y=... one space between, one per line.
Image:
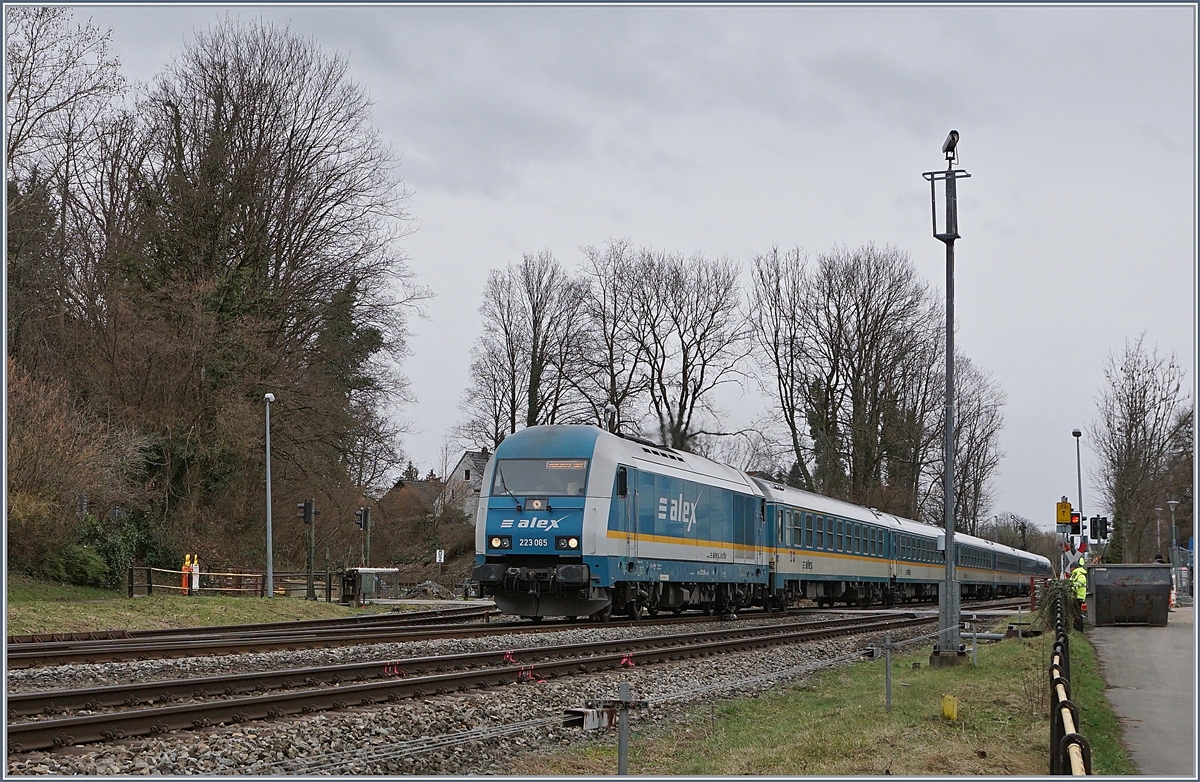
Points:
x=949 y=647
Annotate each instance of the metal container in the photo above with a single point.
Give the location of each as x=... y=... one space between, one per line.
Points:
x=1128 y=594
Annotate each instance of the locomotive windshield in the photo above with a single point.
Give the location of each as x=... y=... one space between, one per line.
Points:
x=540 y=477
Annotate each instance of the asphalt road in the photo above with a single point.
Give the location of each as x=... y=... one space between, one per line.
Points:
x=1151 y=677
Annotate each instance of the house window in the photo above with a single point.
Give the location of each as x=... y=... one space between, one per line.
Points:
x=467 y=475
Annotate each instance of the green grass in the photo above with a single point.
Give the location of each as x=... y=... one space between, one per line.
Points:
x=41 y=607
x=22 y=589
x=834 y=723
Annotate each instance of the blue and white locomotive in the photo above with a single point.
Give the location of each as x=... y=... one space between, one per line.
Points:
x=575 y=521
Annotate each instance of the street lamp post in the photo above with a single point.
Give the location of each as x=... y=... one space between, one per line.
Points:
x=1078 y=471
x=270 y=585
x=1078 y=486
x=948 y=646
x=1158 y=530
x=1174 y=547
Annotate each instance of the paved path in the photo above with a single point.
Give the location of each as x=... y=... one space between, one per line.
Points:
x=1151 y=676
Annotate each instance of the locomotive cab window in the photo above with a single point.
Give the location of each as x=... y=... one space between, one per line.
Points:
x=548 y=477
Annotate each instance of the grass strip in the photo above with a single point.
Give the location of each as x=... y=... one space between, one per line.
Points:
x=834 y=723
x=40 y=607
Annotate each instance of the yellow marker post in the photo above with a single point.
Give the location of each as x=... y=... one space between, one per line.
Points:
x=950 y=707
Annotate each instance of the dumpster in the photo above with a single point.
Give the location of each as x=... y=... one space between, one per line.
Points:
x=1128 y=594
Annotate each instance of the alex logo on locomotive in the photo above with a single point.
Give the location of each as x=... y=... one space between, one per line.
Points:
x=531 y=523
x=677 y=509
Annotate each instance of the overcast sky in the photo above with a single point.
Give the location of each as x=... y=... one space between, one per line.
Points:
x=727 y=130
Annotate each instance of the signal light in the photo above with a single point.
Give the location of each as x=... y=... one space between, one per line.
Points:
x=362 y=517
x=1075 y=525
x=307 y=510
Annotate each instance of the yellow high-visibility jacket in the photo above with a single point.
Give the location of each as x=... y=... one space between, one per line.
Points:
x=1079 y=582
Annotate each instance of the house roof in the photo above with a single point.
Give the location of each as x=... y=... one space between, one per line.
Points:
x=477 y=460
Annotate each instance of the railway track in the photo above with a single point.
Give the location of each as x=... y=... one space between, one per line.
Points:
x=335 y=687
x=286 y=639
x=313 y=634
x=65 y=640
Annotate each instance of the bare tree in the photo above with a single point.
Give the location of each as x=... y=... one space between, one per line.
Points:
x=848 y=346
x=978 y=421
x=612 y=359
x=551 y=300
x=1138 y=411
x=526 y=366
x=778 y=295
x=59 y=80
x=487 y=402
x=692 y=335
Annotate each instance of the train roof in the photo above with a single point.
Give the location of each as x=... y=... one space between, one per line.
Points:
x=585 y=441
x=778 y=492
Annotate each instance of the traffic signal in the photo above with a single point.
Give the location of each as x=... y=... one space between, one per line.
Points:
x=362 y=517
x=1075 y=526
x=1100 y=527
x=307 y=510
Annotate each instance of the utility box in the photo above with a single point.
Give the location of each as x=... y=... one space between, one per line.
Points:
x=1128 y=594
x=366 y=583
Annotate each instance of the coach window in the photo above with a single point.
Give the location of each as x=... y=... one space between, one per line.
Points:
x=808 y=530
x=797 y=528
x=839 y=542
x=820 y=533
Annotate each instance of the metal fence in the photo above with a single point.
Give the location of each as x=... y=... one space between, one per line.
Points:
x=328 y=584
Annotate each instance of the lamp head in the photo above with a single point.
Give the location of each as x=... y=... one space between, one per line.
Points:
x=1076 y=433
x=269 y=398
x=948 y=146
x=1172 y=503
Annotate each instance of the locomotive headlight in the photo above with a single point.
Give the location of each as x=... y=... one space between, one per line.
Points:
x=566 y=543
x=500 y=541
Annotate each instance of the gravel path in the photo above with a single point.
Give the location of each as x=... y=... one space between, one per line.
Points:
x=371 y=740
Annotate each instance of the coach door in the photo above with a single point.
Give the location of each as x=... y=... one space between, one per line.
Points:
x=627 y=480
x=749 y=530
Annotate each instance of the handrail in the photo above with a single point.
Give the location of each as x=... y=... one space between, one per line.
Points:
x=1070 y=753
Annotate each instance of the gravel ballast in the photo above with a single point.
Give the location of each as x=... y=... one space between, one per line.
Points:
x=371 y=740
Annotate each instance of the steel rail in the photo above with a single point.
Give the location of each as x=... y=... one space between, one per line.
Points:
x=119 y=695
x=42 y=734
x=120 y=651
x=388 y=631
x=48 y=641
